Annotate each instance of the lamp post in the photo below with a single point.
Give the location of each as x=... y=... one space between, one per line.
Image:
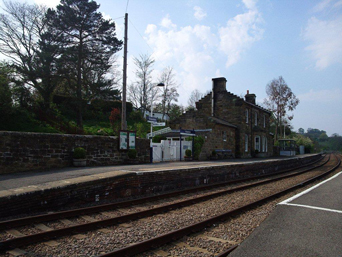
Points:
x=151 y=115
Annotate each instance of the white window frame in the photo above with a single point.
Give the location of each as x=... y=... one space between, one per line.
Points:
x=257 y=145
x=246 y=143
x=266 y=150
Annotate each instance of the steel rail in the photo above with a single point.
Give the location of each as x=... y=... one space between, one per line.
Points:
x=47 y=235
x=177 y=234
x=9 y=224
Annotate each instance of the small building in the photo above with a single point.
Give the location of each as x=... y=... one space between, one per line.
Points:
x=238 y=125
x=287 y=147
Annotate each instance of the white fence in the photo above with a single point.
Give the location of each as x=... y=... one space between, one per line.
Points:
x=169 y=150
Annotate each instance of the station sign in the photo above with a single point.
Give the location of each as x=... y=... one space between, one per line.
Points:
x=187 y=132
x=158 y=124
x=151 y=119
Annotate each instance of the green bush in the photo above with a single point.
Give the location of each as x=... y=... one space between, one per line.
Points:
x=132 y=153
x=188 y=153
x=198 y=143
x=158 y=138
x=79 y=153
x=136 y=116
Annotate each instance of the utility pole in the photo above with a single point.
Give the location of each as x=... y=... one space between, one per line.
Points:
x=124 y=79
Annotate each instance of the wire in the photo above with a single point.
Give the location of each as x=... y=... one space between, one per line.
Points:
x=127 y=5
x=118 y=18
x=141 y=35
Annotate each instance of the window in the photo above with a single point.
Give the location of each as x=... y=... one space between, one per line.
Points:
x=256 y=119
x=246 y=115
x=224 y=135
x=264 y=144
x=246 y=143
x=257 y=143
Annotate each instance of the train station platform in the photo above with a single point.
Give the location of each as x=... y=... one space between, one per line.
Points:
x=55 y=189
x=308 y=224
x=12 y=184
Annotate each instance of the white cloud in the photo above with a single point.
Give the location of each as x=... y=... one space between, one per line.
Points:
x=322 y=96
x=188 y=49
x=240 y=33
x=325 y=41
x=321 y=5
x=338 y=4
x=327 y=5
x=167 y=23
x=192 y=50
x=250 y=4
x=199 y=13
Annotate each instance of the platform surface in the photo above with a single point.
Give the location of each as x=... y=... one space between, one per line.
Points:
x=57 y=177
x=308 y=224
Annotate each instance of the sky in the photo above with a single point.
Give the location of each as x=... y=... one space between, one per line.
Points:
x=248 y=42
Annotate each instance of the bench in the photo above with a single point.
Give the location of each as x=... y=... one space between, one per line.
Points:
x=224 y=153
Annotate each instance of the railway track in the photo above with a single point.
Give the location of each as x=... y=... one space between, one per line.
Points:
x=120 y=218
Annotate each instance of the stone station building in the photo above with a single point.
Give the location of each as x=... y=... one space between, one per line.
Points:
x=239 y=126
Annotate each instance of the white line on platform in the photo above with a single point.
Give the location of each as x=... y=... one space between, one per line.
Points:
x=311 y=207
x=308 y=190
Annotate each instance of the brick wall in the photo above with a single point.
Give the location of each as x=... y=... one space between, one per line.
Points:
x=37 y=151
x=138 y=185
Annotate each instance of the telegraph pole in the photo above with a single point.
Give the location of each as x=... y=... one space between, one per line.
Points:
x=124 y=79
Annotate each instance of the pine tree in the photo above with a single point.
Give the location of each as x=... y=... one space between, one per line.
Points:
x=88 y=42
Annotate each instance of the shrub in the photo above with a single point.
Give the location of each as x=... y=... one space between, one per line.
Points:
x=158 y=138
x=188 y=153
x=132 y=153
x=79 y=153
x=198 y=143
x=213 y=153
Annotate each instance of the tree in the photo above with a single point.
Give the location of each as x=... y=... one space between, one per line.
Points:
x=301 y=131
x=139 y=92
x=280 y=100
x=115 y=119
x=175 y=111
x=169 y=91
x=195 y=96
x=5 y=91
x=88 y=42
x=306 y=141
x=21 y=30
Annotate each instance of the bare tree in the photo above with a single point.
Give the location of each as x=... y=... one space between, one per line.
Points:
x=280 y=100
x=21 y=29
x=139 y=92
x=195 y=96
x=169 y=91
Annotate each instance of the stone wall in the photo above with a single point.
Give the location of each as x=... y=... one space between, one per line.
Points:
x=22 y=151
x=139 y=184
x=230 y=108
x=213 y=140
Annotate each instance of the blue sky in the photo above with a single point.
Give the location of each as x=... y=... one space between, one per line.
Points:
x=248 y=42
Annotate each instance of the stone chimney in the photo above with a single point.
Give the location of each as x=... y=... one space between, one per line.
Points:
x=219 y=86
x=250 y=98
